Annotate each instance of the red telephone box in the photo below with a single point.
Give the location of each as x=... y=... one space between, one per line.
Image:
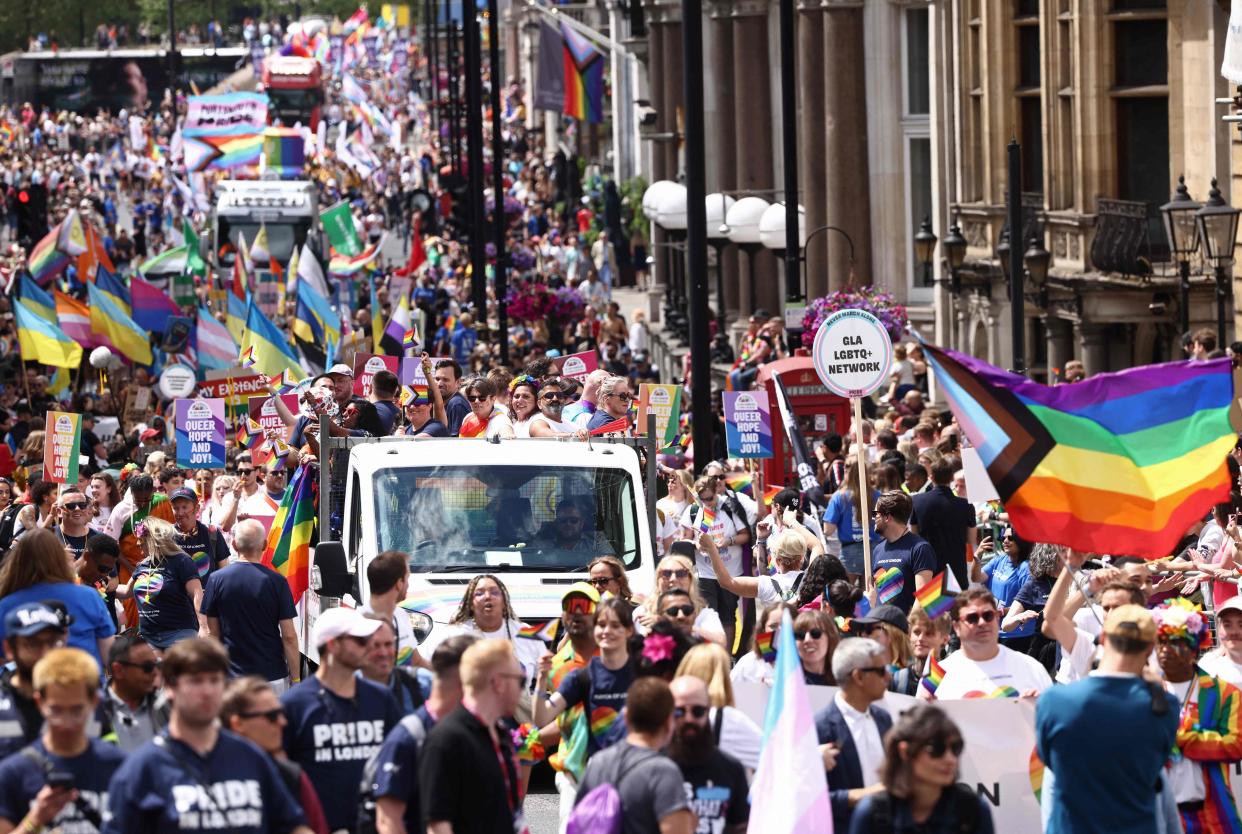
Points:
x=818 y=411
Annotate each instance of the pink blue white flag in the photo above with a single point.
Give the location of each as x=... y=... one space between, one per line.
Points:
x=780 y=804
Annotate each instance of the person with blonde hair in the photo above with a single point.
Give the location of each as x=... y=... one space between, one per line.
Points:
x=468 y=773
x=166 y=587
x=66 y=692
x=736 y=734
x=607 y=575
x=788 y=550
x=38 y=569
x=676 y=572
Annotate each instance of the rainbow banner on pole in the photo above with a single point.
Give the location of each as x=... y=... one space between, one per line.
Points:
x=285 y=151
x=1120 y=463
x=289 y=542
x=584 y=78
x=221 y=148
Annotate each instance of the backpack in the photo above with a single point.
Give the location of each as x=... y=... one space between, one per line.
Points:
x=786 y=596
x=599 y=812
x=413 y=724
x=8 y=521
x=965 y=805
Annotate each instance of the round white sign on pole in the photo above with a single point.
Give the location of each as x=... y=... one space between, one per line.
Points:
x=852 y=353
x=177 y=381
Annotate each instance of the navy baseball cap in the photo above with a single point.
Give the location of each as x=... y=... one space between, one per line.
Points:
x=31 y=618
x=183 y=492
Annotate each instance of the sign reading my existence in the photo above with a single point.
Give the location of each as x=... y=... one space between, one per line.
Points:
x=852 y=353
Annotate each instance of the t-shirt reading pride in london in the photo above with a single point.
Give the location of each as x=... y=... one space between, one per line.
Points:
x=332 y=738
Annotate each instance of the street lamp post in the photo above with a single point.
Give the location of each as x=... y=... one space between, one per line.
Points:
x=718 y=206
x=1217 y=222
x=742 y=218
x=1017 y=293
x=925 y=249
x=1182 y=231
x=474 y=159
x=498 y=181
x=1036 y=259
x=954 y=246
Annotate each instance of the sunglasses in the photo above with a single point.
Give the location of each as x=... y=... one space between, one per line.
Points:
x=602 y=583
x=815 y=633
x=478 y=399
x=146 y=667
x=272 y=715
x=939 y=747
x=579 y=605
x=878 y=670
x=973 y=617
x=679 y=611
x=244 y=471
x=556 y=397
x=625 y=397
x=76 y=505
x=698 y=711
x=674 y=573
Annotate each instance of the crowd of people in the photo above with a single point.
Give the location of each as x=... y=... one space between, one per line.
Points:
x=155 y=678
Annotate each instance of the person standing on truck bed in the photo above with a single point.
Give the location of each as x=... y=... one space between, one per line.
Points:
x=448 y=380
x=355 y=417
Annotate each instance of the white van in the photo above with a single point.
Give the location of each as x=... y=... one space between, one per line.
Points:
x=461 y=507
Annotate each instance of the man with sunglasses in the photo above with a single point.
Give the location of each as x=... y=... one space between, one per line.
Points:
x=548 y=421
x=136 y=711
x=337 y=720
x=73 y=515
x=983 y=668
x=716 y=783
x=911 y=557
x=855 y=726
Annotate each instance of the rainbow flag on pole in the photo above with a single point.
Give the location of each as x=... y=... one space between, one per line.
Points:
x=46 y=261
x=584 y=78
x=934 y=597
x=1120 y=463
x=346 y=265
x=284 y=150
x=933 y=674
x=289 y=542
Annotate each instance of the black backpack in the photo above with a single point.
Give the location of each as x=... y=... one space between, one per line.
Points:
x=8 y=521
x=965 y=805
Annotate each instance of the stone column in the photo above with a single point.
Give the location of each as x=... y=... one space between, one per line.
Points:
x=753 y=132
x=722 y=176
x=1060 y=344
x=673 y=67
x=655 y=71
x=1092 y=339
x=811 y=158
x=847 y=184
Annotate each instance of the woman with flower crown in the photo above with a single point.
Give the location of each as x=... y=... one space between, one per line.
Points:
x=1209 y=735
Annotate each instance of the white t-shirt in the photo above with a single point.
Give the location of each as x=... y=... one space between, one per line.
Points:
x=769 y=595
x=1217 y=664
x=966 y=678
x=407 y=643
x=1076 y=663
x=751 y=667
x=1186 y=776
x=556 y=425
x=723 y=529
x=740 y=737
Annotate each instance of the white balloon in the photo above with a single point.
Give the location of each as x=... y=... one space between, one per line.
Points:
x=101 y=357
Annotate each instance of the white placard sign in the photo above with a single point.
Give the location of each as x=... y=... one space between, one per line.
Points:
x=853 y=353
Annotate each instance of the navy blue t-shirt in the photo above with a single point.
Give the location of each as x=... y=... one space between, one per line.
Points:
x=165 y=786
x=205 y=550
x=909 y=555
x=21 y=780
x=387 y=412
x=432 y=428
x=1034 y=594
x=332 y=738
x=396 y=766
x=250 y=600
x=603 y=692
x=163 y=602
x=457 y=409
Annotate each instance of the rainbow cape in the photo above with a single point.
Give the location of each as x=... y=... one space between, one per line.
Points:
x=935 y=597
x=1120 y=463
x=288 y=543
x=1211 y=736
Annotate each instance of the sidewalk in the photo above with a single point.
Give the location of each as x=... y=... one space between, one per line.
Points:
x=667 y=356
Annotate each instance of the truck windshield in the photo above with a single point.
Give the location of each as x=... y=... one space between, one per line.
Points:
x=281 y=237
x=289 y=102
x=527 y=517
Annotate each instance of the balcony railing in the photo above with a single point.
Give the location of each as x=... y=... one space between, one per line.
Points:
x=1124 y=240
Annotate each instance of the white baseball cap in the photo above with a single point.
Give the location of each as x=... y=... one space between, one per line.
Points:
x=1231 y=604
x=342 y=622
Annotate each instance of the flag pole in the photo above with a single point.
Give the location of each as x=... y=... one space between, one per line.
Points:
x=864 y=490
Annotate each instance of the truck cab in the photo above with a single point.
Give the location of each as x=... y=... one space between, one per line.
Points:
x=288 y=209
x=534 y=512
x=294 y=87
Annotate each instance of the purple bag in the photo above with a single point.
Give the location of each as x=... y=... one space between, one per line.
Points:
x=599 y=812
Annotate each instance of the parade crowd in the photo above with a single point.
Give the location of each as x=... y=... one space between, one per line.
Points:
x=155 y=680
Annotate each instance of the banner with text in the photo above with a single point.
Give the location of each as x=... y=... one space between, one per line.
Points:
x=577 y=365
x=200 y=433
x=61 y=442
x=225 y=110
x=367 y=365
x=748 y=423
x=263 y=411
x=234 y=386
x=664 y=401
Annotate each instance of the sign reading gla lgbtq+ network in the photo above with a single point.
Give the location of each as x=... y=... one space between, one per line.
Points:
x=853 y=353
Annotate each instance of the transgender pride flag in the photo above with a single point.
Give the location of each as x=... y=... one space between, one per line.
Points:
x=789 y=794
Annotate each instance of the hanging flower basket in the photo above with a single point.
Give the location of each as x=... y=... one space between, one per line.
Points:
x=879 y=303
x=530 y=302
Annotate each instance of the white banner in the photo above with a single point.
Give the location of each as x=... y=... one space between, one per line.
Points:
x=998 y=761
x=227 y=110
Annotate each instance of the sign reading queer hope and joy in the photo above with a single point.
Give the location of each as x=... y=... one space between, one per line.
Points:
x=62 y=440
x=852 y=353
x=200 y=433
x=748 y=423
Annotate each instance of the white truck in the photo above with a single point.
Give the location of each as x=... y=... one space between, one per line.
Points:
x=287 y=209
x=462 y=507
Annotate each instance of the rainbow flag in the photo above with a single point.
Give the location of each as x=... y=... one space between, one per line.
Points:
x=740 y=482
x=770 y=493
x=284 y=151
x=247 y=357
x=417 y=394
x=764 y=643
x=526 y=744
x=289 y=542
x=221 y=148
x=934 y=597
x=545 y=632
x=1120 y=463
x=584 y=78
x=933 y=675
x=250 y=434
x=410 y=340
x=340 y=264
x=706 y=519
x=46 y=261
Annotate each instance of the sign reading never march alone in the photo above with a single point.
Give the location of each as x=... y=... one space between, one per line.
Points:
x=852 y=353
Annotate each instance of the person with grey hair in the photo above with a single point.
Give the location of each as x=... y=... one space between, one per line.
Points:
x=1028 y=606
x=854 y=726
x=249 y=608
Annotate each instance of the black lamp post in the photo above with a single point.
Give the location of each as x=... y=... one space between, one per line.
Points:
x=1217 y=222
x=954 y=246
x=925 y=249
x=1036 y=259
x=1183 y=235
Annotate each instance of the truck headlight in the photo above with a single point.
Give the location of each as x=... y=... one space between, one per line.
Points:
x=422 y=625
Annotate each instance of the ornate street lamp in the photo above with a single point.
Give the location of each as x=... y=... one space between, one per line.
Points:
x=1217 y=222
x=1181 y=230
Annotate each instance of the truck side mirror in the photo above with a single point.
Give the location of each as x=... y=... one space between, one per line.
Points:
x=334 y=578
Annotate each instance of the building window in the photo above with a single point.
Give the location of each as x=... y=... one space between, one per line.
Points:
x=1029 y=92
x=1141 y=109
x=919 y=166
x=1141 y=52
x=916 y=137
x=918 y=94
